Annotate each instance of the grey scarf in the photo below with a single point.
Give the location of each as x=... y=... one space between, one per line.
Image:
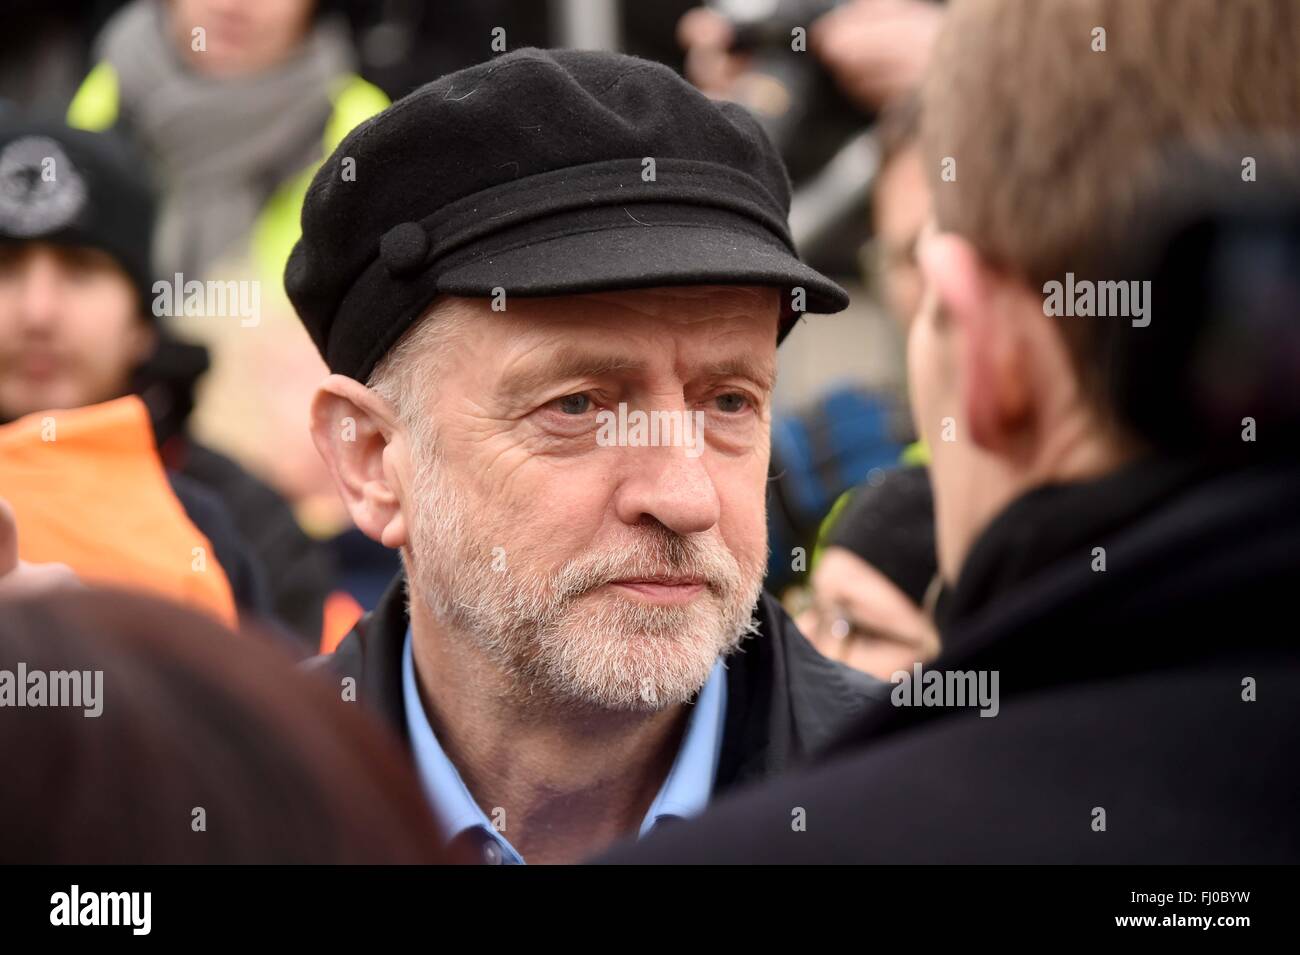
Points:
x=222 y=146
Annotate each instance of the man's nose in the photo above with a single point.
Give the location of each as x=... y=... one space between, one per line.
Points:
x=39 y=296
x=671 y=486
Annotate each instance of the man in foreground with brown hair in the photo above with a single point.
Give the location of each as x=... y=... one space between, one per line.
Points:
x=1101 y=378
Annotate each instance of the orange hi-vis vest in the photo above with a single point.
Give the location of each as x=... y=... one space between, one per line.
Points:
x=88 y=490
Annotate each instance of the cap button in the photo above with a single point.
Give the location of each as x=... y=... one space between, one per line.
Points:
x=403 y=248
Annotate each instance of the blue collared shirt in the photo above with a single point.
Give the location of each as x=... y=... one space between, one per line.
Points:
x=685 y=791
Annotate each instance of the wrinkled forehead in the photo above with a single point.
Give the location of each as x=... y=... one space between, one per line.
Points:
x=647 y=310
x=688 y=303
x=683 y=330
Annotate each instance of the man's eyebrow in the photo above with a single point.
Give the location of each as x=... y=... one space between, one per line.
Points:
x=543 y=369
x=742 y=367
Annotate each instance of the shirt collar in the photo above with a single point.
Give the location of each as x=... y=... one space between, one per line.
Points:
x=684 y=793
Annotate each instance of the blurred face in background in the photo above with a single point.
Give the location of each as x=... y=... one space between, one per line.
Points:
x=996 y=395
x=240 y=37
x=861 y=618
x=71 y=333
x=969 y=483
x=901 y=207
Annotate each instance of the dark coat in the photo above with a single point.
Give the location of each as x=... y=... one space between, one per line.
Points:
x=296 y=572
x=1120 y=690
x=784 y=699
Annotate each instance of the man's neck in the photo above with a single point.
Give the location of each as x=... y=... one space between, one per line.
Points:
x=570 y=779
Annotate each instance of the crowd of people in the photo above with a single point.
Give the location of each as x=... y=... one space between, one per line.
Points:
x=329 y=531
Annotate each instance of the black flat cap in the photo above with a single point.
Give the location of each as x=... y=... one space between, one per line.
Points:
x=541 y=172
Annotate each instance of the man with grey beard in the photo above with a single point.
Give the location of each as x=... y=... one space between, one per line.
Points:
x=579 y=648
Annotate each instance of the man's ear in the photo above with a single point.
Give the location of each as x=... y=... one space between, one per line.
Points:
x=352 y=428
x=982 y=311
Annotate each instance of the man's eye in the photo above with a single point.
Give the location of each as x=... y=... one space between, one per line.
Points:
x=732 y=403
x=574 y=404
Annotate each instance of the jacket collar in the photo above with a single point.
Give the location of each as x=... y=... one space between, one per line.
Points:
x=1183 y=576
x=1058 y=522
x=371 y=655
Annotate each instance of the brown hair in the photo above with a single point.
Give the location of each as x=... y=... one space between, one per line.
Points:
x=193 y=716
x=1054 y=140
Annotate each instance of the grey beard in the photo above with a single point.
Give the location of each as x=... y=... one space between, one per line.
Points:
x=613 y=655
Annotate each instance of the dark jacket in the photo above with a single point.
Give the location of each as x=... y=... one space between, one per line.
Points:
x=298 y=572
x=243 y=570
x=784 y=699
x=1121 y=690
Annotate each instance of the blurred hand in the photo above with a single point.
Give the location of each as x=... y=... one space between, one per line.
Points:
x=706 y=35
x=875 y=49
x=18 y=578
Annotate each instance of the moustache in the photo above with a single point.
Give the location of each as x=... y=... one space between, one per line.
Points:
x=661 y=555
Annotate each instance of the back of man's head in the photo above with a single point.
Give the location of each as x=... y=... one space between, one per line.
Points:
x=1048 y=126
x=1058 y=114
